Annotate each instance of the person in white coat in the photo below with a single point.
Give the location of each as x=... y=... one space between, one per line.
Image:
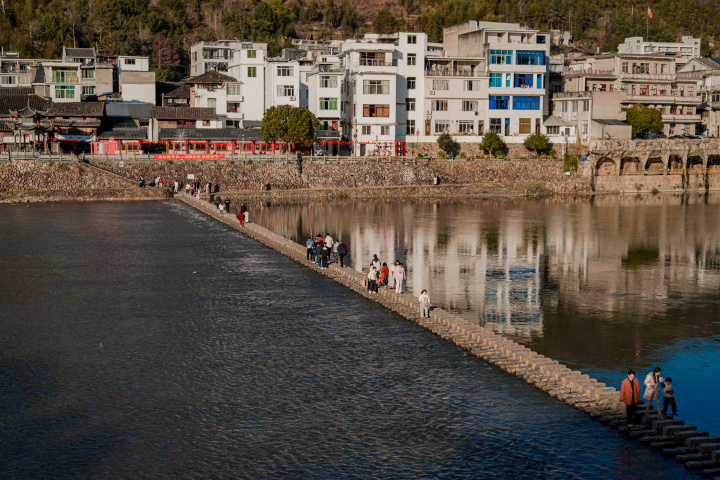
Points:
x=424 y=299
x=652 y=391
x=399 y=278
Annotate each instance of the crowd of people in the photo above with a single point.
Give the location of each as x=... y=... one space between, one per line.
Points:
x=324 y=250
x=654 y=383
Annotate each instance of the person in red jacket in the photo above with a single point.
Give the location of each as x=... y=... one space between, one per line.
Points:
x=630 y=395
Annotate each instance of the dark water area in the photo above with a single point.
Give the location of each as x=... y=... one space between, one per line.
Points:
x=602 y=285
x=119 y=361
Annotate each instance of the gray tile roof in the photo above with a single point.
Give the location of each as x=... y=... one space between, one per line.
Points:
x=211 y=77
x=124 y=134
x=128 y=109
x=77 y=109
x=80 y=52
x=17 y=90
x=247 y=134
x=184 y=113
x=16 y=103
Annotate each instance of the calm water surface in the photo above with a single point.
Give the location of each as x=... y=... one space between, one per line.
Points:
x=602 y=285
x=143 y=340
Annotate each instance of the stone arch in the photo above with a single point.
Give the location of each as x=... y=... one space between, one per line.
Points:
x=630 y=166
x=654 y=166
x=695 y=163
x=605 y=166
x=713 y=163
x=675 y=163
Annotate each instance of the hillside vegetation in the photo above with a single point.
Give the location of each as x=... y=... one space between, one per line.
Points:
x=165 y=29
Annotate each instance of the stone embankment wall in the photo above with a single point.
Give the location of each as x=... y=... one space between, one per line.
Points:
x=514 y=150
x=695 y=449
x=253 y=176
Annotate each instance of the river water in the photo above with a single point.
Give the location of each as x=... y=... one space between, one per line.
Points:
x=144 y=340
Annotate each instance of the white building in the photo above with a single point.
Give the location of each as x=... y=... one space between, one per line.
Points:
x=687 y=49
x=248 y=67
x=282 y=83
x=326 y=86
x=207 y=56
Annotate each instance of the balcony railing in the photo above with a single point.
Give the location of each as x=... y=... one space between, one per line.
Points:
x=681 y=118
x=647 y=76
x=450 y=73
x=372 y=62
x=328 y=69
x=589 y=73
x=694 y=99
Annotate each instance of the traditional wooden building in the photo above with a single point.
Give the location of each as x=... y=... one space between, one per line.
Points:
x=75 y=125
x=24 y=123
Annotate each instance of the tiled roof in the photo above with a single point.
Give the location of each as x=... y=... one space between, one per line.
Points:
x=210 y=133
x=210 y=77
x=17 y=90
x=79 y=52
x=172 y=90
x=39 y=76
x=77 y=109
x=16 y=103
x=77 y=122
x=711 y=63
x=124 y=134
x=184 y=113
x=128 y=109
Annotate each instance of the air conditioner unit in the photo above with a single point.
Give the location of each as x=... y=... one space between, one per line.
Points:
x=432 y=92
x=477 y=113
x=292 y=99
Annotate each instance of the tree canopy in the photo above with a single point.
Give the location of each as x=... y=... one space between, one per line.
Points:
x=537 y=142
x=492 y=143
x=293 y=125
x=644 y=120
x=448 y=145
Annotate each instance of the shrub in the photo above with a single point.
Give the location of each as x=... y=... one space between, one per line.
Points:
x=537 y=142
x=461 y=155
x=553 y=153
x=440 y=154
x=570 y=163
x=63 y=168
x=492 y=143
x=448 y=145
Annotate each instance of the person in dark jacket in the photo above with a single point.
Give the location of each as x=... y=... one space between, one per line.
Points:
x=342 y=251
x=324 y=255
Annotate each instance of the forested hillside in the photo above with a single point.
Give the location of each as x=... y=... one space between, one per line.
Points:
x=165 y=29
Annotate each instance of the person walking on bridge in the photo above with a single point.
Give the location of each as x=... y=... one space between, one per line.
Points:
x=424 y=299
x=399 y=278
x=310 y=245
x=630 y=395
x=652 y=391
x=342 y=251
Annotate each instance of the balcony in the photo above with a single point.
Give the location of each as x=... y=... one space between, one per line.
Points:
x=681 y=118
x=689 y=100
x=328 y=69
x=451 y=73
x=647 y=77
x=589 y=73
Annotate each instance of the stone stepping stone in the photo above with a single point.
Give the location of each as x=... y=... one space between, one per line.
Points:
x=653 y=438
x=673 y=429
x=710 y=472
x=699 y=464
x=691 y=457
x=674 y=452
x=662 y=445
x=641 y=433
x=681 y=437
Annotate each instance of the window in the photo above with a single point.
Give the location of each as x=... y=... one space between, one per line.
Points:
x=500 y=57
x=496 y=125
x=129 y=61
x=530 y=58
x=410 y=127
x=410 y=104
x=194 y=56
x=385 y=130
x=88 y=90
x=574 y=105
x=412 y=40
x=285 y=91
x=586 y=105
x=471 y=85
x=252 y=54
x=564 y=107
x=625 y=68
x=526 y=103
x=376 y=87
x=211 y=103
x=64 y=75
x=499 y=102
x=412 y=59
x=64 y=92
x=376 y=110
x=411 y=83
x=541 y=39
x=508 y=76
x=327 y=81
x=466 y=126
x=367 y=130
x=88 y=73
x=481 y=127
x=524 y=80
x=328 y=104
x=496 y=79
x=285 y=71
x=553 y=130
x=441 y=85
x=507 y=127
x=539 y=80
x=206 y=123
x=439 y=105
x=584 y=128
x=233 y=89
x=525 y=126
x=252 y=72
x=469 y=105
x=442 y=126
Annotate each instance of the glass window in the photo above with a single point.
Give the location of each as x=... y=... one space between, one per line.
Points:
x=442 y=126
x=441 y=85
x=328 y=81
x=252 y=72
x=471 y=85
x=88 y=73
x=508 y=76
x=499 y=102
x=496 y=79
x=410 y=127
x=366 y=130
x=64 y=92
x=412 y=59
x=233 y=89
x=410 y=104
x=376 y=110
x=553 y=130
x=496 y=125
x=439 y=105
x=539 y=80
x=524 y=80
x=285 y=71
x=411 y=83
x=530 y=58
x=251 y=54
x=564 y=107
x=385 y=130
x=526 y=103
x=285 y=91
x=466 y=126
x=88 y=90
x=469 y=105
x=412 y=39
x=328 y=104
x=500 y=57
x=525 y=126
x=376 y=87
x=211 y=103
x=64 y=75
x=541 y=39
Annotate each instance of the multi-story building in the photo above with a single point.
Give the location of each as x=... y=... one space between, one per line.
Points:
x=220 y=92
x=686 y=50
x=649 y=80
x=326 y=86
x=706 y=72
x=248 y=67
x=282 y=82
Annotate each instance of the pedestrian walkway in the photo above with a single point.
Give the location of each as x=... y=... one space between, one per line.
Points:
x=695 y=449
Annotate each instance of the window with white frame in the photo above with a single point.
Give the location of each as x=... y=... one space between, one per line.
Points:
x=442 y=126
x=285 y=71
x=469 y=106
x=441 y=85
x=252 y=54
x=376 y=87
x=410 y=127
x=496 y=125
x=411 y=83
x=412 y=39
x=411 y=59
x=439 y=105
x=88 y=90
x=88 y=73
x=252 y=72
x=385 y=130
x=233 y=89
x=466 y=126
x=328 y=104
x=366 y=130
x=471 y=85
x=410 y=104
x=211 y=103
x=285 y=91
x=64 y=92
x=328 y=81
x=553 y=130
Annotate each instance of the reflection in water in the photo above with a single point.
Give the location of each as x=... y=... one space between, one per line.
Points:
x=601 y=285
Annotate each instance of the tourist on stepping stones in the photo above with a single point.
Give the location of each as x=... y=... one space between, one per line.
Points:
x=630 y=395
x=652 y=391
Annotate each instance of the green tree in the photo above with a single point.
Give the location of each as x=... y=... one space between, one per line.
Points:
x=263 y=24
x=537 y=142
x=644 y=120
x=294 y=125
x=492 y=143
x=384 y=22
x=448 y=145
